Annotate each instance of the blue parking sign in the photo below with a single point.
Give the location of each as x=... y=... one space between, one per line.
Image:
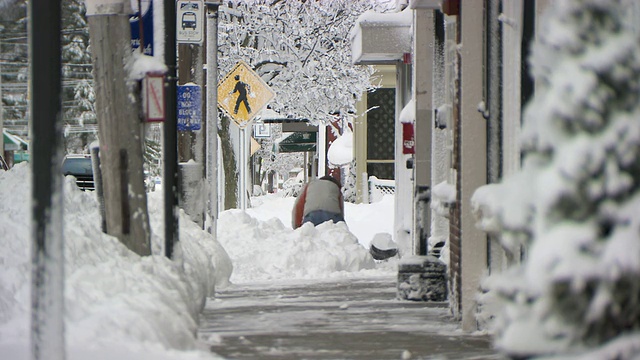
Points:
x=189 y=107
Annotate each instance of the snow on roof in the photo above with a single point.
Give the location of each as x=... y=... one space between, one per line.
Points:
x=108 y=7
x=372 y=18
x=16 y=140
x=381 y=37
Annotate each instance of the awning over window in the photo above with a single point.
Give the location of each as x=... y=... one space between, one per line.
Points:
x=13 y=142
x=381 y=38
x=297 y=142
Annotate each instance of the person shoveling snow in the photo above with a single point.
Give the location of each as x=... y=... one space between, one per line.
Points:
x=320 y=201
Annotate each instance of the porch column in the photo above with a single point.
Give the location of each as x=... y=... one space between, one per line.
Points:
x=473 y=156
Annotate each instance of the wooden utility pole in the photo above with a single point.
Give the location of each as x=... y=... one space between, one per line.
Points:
x=119 y=125
x=189 y=71
x=191 y=143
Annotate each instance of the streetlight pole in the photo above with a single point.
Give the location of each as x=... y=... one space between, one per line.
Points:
x=212 y=115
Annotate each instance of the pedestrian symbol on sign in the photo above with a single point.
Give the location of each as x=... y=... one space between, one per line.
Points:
x=242 y=89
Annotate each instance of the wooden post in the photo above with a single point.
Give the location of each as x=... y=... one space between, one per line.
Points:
x=119 y=126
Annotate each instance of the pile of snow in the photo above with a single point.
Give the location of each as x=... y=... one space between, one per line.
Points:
x=340 y=152
x=118 y=305
x=262 y=247
x=269 y=250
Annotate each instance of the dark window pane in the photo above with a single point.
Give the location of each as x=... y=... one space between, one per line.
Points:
x=380 y=124
x=381 y=170
x=77 y=166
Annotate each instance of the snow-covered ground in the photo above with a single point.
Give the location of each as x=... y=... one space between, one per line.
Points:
x=119 y=305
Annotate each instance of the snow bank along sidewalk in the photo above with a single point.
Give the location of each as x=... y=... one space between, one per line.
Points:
x=118 y=305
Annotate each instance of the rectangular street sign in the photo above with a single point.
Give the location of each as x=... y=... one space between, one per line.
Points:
x=189 y=21
x=189 y=107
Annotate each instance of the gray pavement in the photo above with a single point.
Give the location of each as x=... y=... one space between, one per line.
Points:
x=341 y=319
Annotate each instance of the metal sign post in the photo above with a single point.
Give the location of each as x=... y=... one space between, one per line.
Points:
x=212 y=117
x=243 y=171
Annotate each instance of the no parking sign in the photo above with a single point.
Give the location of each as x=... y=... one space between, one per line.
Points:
x=189 y=107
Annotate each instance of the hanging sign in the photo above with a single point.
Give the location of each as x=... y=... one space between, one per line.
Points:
x=153 y=97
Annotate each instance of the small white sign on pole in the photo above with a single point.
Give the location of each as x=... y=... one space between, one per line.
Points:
x=153 y=97
x=261 y=130
x=189 y=21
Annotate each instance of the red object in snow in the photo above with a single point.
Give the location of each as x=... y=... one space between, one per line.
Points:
x=408 y=139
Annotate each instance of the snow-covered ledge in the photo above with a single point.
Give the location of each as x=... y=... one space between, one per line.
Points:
x=425 y=4
x=381 y=38
x=108 y=7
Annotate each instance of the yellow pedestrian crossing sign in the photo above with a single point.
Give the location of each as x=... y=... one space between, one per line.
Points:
x=242 y=94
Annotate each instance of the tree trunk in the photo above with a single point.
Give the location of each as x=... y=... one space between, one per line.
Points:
x=229 y=165
x=119 y=133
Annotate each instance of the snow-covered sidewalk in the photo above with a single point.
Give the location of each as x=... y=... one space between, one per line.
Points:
x=355 y=318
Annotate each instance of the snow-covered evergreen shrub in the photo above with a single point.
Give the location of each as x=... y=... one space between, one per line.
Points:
x=575 y=205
